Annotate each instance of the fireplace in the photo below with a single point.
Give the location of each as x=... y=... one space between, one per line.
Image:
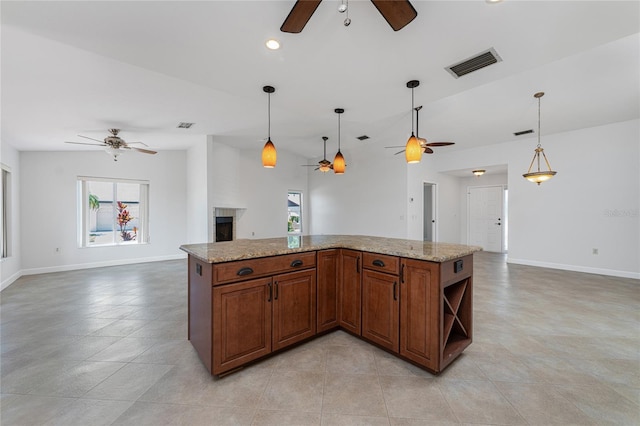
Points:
x=224 y=228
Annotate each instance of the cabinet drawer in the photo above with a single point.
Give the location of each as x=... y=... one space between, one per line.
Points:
x=381 y=262
x=456 y=270
x=253 y=268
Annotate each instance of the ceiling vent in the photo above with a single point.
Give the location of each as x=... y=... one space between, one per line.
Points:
x=185 y=125
x=362 y=138
x=523 y=132
x=481 y=60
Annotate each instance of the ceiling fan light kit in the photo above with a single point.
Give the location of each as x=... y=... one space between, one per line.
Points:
x=339 y=164
x=269 y=154
x=413 y=149
x=538 y=176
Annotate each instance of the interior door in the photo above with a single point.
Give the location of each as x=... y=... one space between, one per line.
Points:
x=486 y=210
x=429 y=211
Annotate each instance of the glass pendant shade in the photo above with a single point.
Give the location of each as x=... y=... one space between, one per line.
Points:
x=339 y=164
x=413 y=150
x=269 y=155
x=539 y=176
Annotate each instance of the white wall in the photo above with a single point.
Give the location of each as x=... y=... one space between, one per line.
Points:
x=558 y=223
x=368 y=199
x=10 y=267
x=48 y=207
x=197 y=206
x=264 y=194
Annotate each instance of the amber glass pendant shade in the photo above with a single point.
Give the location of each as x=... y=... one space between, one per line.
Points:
x=339 y=164
x=413 y=150
x=269 y=155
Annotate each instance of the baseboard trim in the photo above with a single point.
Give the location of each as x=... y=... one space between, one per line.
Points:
x=62 y=268
x=6 y=283
x=574 y=268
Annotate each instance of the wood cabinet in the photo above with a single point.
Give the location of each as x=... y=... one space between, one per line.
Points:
x=294 y=307
x=349 y=291
x=244 y=310
x=328 y=268
x=419 y=309
x=380 y=309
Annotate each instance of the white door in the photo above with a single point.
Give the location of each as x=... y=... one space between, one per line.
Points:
x=486 y=209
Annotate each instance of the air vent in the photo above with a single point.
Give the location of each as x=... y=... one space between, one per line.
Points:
x=362 y=138
x=475 y=63
x=523 y=132
x=185 y=125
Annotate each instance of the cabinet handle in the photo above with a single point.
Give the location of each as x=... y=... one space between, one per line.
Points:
x=296 y=263
x=358 y=264
x=395 y=292
x=245 y=271
x=378 y=263
x=402 y=273
x=270 y=292
x=275 y=297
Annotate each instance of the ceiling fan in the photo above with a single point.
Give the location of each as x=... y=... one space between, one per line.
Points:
x=114 y=145
x=324 y=164
x=397 y=13
x=423 y=142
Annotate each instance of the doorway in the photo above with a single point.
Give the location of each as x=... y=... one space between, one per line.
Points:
x=429 y=212
x=486 y=217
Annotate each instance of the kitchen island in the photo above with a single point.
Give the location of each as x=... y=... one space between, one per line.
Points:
x=249 y=299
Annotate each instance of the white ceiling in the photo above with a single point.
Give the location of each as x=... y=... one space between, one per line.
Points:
x=81 y=67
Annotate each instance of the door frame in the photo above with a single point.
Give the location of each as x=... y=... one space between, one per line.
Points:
x=434 y=209
x=503 y=228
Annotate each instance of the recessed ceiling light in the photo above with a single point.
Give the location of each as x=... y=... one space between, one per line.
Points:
x=493 y=1
x=273 y=44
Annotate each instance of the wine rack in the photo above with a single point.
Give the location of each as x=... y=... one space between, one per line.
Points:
x=456 y=321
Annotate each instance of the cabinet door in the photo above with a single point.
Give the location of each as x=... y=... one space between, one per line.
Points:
x=380 y=313
x=328 y=267
x=349 y=292
x=294 y=307
x=241 y=323
x=419 y=319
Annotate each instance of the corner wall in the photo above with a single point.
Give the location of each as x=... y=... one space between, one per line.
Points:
x=10 y=267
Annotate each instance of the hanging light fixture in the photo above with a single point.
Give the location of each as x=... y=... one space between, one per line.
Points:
x=413 y=150
x=539 y=176
x=325 y=165
x=269 y=154
x=478 y=172
x=338 y=162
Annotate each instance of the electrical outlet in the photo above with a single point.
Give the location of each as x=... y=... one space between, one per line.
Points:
x=594 y=251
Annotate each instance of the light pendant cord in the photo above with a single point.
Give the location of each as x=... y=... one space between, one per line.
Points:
x=412 y=110
x=269 y=116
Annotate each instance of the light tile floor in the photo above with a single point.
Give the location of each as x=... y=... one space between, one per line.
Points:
x=108 y=346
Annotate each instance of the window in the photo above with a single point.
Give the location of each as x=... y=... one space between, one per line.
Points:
x=294 y=210
x=112 y=211
x=6 y=211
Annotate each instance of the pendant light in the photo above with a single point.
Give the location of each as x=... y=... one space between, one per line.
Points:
x=413 y=150
x=539 y=176
x=338 y=162
x=269 y=154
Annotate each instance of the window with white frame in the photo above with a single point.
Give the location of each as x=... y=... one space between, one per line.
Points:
x=294 y=212
x=6 y=212
x=112 y=211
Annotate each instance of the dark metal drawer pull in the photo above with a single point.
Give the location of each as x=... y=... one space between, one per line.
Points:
x=245 y=271
x=296 y=263
x=378 y=263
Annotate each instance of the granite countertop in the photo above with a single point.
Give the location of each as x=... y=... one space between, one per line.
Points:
x=249 y=249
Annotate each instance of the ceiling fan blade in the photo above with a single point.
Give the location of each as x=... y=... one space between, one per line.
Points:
x=140 y=143
x=308 y=165
x=440 y=143
x=93 y=139
x=395 y=146
x=84 y=143
x=428 y=150
x=400 y=152
x=299 y=16
x=144 y=151
x=397 y=13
